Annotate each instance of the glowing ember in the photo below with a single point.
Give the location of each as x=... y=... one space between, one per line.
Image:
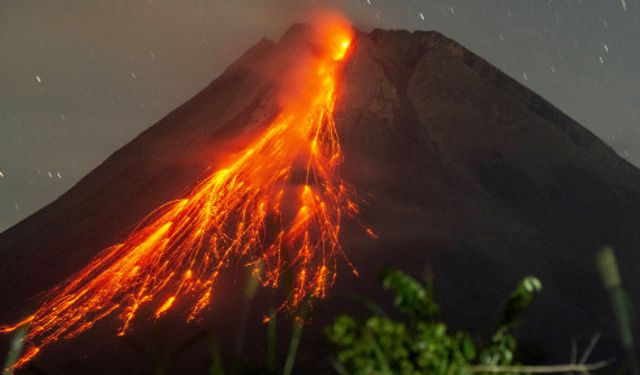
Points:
x=180 y=249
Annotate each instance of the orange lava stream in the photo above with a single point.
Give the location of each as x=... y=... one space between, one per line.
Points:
x=180 y=249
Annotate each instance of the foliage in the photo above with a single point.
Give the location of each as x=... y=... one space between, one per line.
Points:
x=421 y=344
x=622 y=307
x=520 y=299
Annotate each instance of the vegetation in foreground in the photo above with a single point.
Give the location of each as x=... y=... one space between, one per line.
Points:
x=422 y=344
x=419 y=342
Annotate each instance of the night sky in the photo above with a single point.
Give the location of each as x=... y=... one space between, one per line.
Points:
x=79 y=79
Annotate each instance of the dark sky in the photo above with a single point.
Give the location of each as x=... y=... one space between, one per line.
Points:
x=79 y=79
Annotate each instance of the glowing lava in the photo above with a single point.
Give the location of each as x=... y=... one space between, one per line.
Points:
x=180 y=249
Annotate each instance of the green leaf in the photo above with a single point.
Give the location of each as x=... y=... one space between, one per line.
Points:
x=411 y=296
x=519 y=300
x=468 y=349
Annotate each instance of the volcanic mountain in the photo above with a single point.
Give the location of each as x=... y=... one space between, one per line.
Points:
x=463 y=172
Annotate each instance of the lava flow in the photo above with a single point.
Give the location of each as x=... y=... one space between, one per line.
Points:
x=180 y=249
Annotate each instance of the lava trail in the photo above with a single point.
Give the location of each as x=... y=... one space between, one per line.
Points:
x=180 y=249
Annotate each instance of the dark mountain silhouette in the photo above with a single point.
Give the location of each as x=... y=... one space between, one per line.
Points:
x=467 y=175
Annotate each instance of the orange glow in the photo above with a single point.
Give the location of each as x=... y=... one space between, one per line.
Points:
x=371 y=233
x=165 y=307
x=13 y=327
x=180 y=248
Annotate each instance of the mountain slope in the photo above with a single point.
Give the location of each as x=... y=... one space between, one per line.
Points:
x=464 y=171
x=490 y=180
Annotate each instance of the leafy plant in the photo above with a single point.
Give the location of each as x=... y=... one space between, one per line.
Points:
x=421 y=343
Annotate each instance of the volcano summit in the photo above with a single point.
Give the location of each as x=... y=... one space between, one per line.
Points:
x=459 y=170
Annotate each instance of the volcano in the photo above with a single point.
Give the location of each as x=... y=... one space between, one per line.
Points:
x=460 y=171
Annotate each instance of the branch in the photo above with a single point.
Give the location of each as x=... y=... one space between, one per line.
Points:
x=574 y=367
